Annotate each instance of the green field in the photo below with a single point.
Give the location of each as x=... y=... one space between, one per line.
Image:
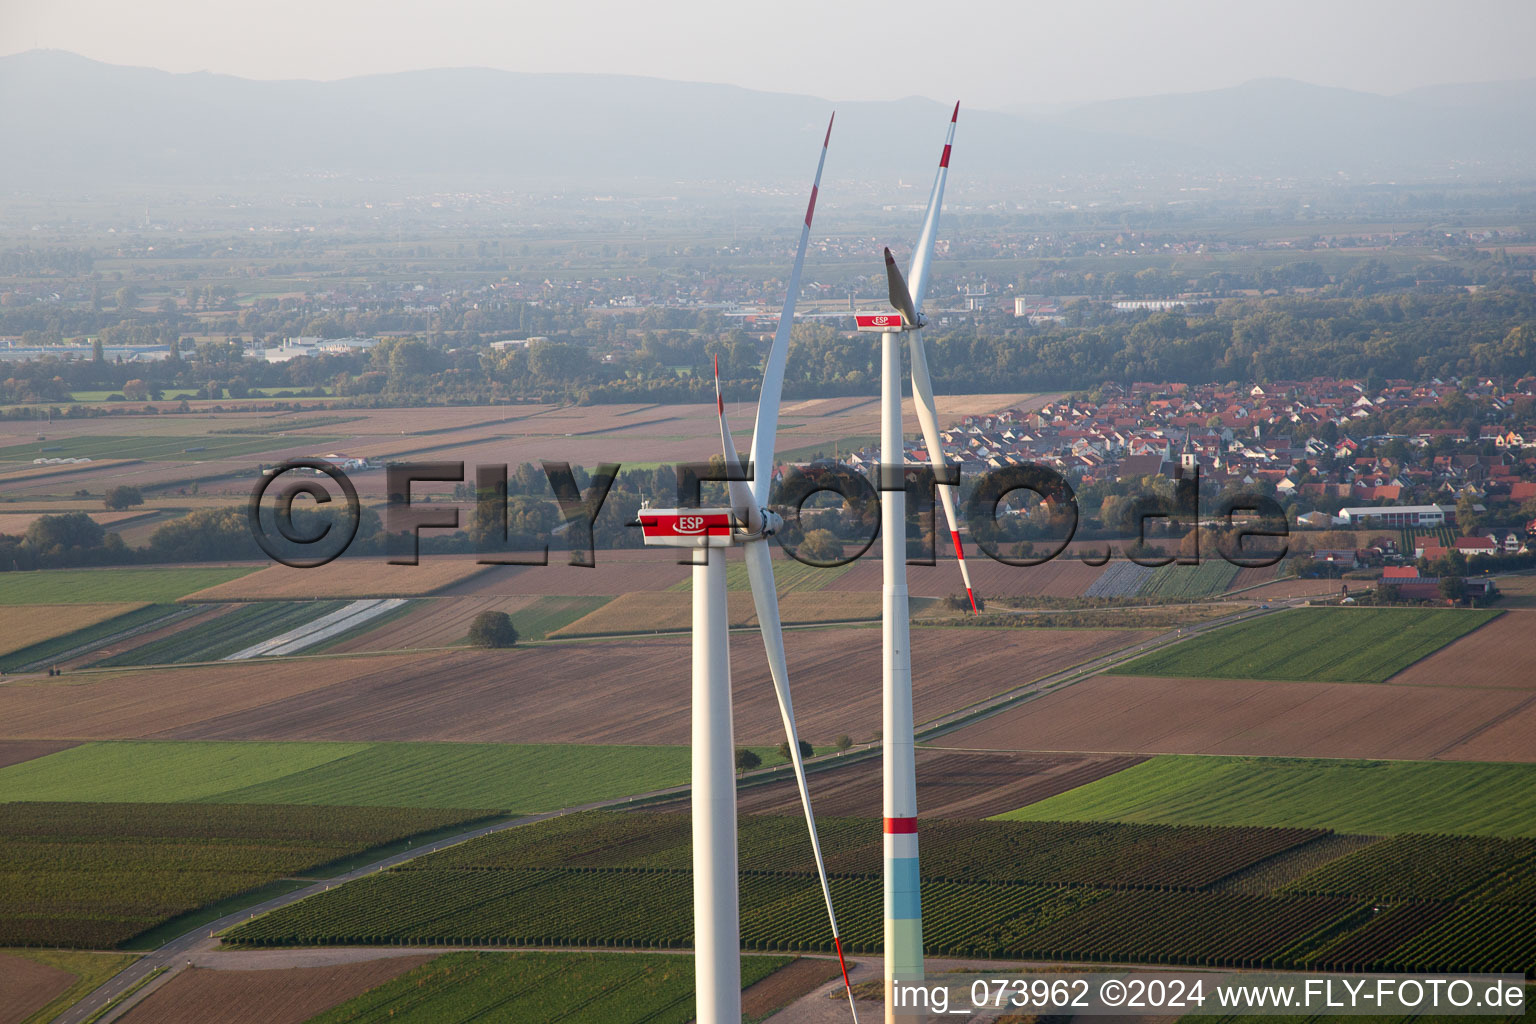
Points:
x=528 y=778
x=167 y=394
x=88 y=586
x=548 y=614
x=541 y=988
x=1374 y=797
x=1338 y=645
x=87 y=637
x=95 y=875
x=249 y=624
x=1211 y=577
x=175 y=449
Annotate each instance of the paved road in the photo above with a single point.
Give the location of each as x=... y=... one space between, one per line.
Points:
x=174 y=955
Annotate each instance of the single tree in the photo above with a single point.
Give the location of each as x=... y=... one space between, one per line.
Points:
x=746 y=760
x=821 y=546
x=122 y=496
x=805 y=749
x=493 y=629
x=844 y=742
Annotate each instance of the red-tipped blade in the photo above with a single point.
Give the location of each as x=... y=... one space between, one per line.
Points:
x=847 y=985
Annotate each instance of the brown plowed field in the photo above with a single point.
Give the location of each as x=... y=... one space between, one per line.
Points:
x=292 y=995
x=637 y=690
x=345 y=578
x=28 y=986
x=1500 y=653
x=131 y=704
x=950 y=784
x=439 y=622
x=1505 y=739
x=17 y=751
x=787 y=984
x=1147 y=715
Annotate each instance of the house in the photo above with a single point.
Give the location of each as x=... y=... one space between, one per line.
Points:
x=1470 y=546
x=1346 y=557
x=1400 y=572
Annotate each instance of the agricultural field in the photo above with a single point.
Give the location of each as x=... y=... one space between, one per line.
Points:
x=265 y=995
x=1208 y=579
x=345 y=578
x=1497 y=654
x=225 y=635
x=957 y=784
x=1048 y=890
x=789 y=575
x=1120 y=579
x=636 y=690
x=1373 y=797
x=114 y=585
x=542 y=988
x=139 y=703
x=673 y=612
x=1061 y=577
x=526 y=778
x=430 y=622
x=33 y=624
x=77 y=644
x=1364 y=645
x=95 y=875
x=1170 y=715
x=192 y=448
x=40 y=983
x=16 y=523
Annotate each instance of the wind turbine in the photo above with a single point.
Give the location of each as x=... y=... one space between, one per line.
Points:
x=747 y=524
x=903 y=891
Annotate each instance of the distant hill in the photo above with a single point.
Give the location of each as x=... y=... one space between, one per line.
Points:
x=76 y=123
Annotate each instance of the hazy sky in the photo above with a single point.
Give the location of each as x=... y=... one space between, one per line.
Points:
x=992 y=53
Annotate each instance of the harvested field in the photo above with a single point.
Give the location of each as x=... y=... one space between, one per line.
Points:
x=434 y=622
x=671 y=612
x=133 y=704
x=1151 y=715
x=17 y=751
x=31 y=624
x=950 y=784
x=1507 y=738
x=289 y=995
x=1498 y=654
x=28 y=986
x=345 y=578
x=636 y=691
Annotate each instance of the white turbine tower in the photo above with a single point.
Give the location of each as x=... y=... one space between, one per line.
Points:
x=903 y=891
x=746 y=524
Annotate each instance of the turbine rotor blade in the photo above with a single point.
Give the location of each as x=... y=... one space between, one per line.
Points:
x=922 y=384
x=767 y=425
x=901 y=299
x=765 y=600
